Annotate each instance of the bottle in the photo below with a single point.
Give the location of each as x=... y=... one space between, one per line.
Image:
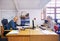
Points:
x=33 y=24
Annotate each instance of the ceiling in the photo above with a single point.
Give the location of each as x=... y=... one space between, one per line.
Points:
x=22 y=4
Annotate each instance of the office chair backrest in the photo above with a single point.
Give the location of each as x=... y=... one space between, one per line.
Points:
x=4 y=22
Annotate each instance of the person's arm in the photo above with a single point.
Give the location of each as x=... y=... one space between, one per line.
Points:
x=12 y=25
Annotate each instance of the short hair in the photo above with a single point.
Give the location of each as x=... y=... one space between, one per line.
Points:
x=27 y=14
x=15 y=17
x=49 y=17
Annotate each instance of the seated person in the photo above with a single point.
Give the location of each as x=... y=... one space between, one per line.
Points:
x=25 y=21
x=13 y=23
x=49 y=23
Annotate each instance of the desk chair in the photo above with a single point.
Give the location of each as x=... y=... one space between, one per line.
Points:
x=5 y=26
x=58 y=32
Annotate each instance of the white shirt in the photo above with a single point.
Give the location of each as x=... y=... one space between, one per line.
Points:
x=51 y=25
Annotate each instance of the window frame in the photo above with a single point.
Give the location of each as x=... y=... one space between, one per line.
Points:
x=55 y=10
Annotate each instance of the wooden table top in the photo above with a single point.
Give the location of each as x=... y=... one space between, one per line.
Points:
x=32 y=32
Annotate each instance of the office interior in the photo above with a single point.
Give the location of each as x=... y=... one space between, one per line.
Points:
x=32 y=16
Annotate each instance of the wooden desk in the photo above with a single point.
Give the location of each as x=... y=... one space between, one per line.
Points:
x=32 y=35
x=1 y=31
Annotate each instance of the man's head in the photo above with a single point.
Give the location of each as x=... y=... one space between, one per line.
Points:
x=49 y=18
x=15 y=19
x=27 y=15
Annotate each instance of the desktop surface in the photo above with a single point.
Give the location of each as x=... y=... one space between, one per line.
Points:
x=32 y=35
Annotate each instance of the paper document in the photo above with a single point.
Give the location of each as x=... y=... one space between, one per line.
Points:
x=23 y=26
x=48 y=32
x=14 y=32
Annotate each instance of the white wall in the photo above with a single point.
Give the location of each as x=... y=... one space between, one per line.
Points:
x=7 y=5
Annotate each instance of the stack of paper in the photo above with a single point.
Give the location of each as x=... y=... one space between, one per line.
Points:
x=14 y=32
x=48 y=32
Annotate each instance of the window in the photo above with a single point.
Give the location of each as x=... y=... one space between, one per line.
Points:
x=43 y=14
x=58 y=16
x=53 y=9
